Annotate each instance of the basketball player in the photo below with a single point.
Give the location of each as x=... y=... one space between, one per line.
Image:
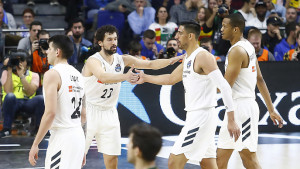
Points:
x=201 y=77
x=63 y=93
x=144 y=143
x=103 y=74
x=243 y=73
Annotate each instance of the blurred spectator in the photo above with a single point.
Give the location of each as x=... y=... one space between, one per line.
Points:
x=39 y=57
x=286 y=43
x=135 y=49
x=275 y=8
x=80 y=44
x=185 y=11
x=162 y=27
x=19 y=88
x=140 y=19
x=248 y=10
x=52 y=2
x=166 y=3
x=214 y=23
x=294 y=54
x=144 y=144
x=293 y=3
x=290 y=15
x=150 y=48
x=3 y=25
x=260 y=21
x=124 y=6
x=211 y=5
x=202 y=17
x=8 y=18
x=28 y=17
x=254 y=37
x=272 y=37
x=206 y=43
x=30 y=44
x=172 y=50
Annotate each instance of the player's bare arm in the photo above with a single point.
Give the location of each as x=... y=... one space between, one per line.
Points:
x=52 y=84
x=237 y=58
x=206 y=64
x=166 y=79
x=263 y=89
x=94 y=67
x=147 y=64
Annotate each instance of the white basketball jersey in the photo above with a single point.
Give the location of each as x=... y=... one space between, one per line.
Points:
x=244 y=86
x=104 y=94
x=200 y=91
x=69 y=97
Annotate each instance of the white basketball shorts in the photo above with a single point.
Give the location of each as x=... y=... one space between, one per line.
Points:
x=196 y=139
x=246 y=116
x=65 y=149
x=104 y=125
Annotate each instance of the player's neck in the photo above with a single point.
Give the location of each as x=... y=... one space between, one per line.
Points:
x=108 y=58
x=235 y=39
x=60 y=61
x=191 y=48
x=141 y=164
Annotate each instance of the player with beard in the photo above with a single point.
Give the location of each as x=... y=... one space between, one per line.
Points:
x=80 y=44
x=103 y=73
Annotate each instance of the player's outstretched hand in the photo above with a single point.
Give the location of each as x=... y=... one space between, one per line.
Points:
x=276 y=118
x=141 y=76
x=33 y=155
x=132 y=77
x=233 y=130
x=176 y=59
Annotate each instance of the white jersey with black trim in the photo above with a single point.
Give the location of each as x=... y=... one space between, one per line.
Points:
x=104 y=94
x=200 y=91
x=244 y=86
x=69 y=97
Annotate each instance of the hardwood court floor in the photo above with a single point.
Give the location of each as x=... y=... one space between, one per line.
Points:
x=275 y=151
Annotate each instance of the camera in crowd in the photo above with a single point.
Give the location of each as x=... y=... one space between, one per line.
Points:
x=169 y=53
x=16 y=57
x=44 y=44
x=222 y=9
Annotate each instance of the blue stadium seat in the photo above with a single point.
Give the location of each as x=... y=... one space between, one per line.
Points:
x=110 y=17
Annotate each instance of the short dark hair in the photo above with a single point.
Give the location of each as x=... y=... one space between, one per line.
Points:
x=75 y=20
x=147 y=139
x=191 y=27
x=170 y=40
x=150 y=34
x=135 y=46
x=100 y=34
x=237 y=20
x=156 y=13
x=42 y=32
x=35 y=23
x=63 y=43
x=290 y=27
x=28 y=10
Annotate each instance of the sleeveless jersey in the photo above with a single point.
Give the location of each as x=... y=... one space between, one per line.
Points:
x=104 y=94
x=200 y=91
x=69 y=97
x=244 y=86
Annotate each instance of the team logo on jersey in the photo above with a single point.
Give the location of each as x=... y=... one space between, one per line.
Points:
x=189 y=64
x=118 y=68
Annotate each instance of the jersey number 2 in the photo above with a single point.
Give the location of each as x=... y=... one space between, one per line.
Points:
x=76 y=113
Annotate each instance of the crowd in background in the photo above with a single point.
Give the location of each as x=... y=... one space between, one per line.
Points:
x=272 y=26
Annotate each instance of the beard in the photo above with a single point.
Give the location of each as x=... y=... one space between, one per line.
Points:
x=110 y=51
x=76 y=36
